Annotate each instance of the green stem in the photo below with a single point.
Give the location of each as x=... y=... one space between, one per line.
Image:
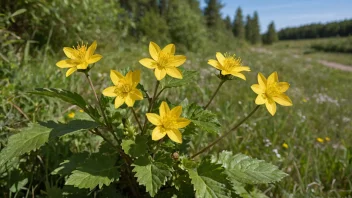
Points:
x=150 y=106
x=227 y=133
x=135 y=116
x=216 y=91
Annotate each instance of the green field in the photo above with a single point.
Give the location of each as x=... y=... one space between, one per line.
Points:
x=321 y=108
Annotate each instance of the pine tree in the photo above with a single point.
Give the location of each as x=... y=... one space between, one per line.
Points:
x=271 y=35
x=212 y=13
x=228 y=23
x=238 y=26
x=248 y=28
x=255 y=38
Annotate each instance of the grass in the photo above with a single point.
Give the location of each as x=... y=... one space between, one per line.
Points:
x=321 y=98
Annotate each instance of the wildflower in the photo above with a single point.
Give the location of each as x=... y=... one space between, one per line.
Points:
x=327 y=139
x=79 y=58
x=285 y=145
x=270 y=91
x=229 y=65
x=124 y=88
x=71 y=115
x=320 y=140
x=81 y=110
x=164 y=61
x=168 y=123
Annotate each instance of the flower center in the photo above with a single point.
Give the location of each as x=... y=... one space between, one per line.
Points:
x=272 y=90
x=164 y=59
x=82 y=49
x=231 y=61
x=168 y=122
x=123 y=89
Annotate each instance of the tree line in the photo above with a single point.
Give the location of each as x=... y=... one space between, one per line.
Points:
x=317 y=30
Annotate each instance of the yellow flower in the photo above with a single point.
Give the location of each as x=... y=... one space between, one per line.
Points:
x=320 y=140
x=124 y=88
x=271 y=91
x=168 y=122
x=285 y=145
x=229 y=65
x=327 y=139
x=71 y=115
x=163 y=61
x=81 y=110
x=79 y=58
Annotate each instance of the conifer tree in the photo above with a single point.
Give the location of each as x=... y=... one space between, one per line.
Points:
x=271 y=35
x=228 y=23
x=255 y=38
x=248 y=28
x=238 y=26
x=212 y=13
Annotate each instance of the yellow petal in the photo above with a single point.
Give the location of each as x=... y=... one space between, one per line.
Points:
x=129 y=100
x=178 y=60
x=220 y=58
x=273 y=78
x=225 y=72
x=271 y=106
x=129 y=77
x=119 y=101
x=170 y=48
x=148 y=63
x=174 y=72
x=176 y=111
x=283 y=100
x=283 y=86
x=154 y=118
x=83 y=65
x=95 y=58
x=239 y=75
x=257 y=89
x=135 y=94
x=136 y=77
x=241 y=68
x=260 y=100
x=91 y=50
x=164 y=109
x=175 y=135
x=158 y=133
x=70 y=71
x=110 y=91
x=115 y=76
x=214 y=63
x=261 y=81
x=71 y=53
x=66 y=63
x=154 y=51
x=182 y=122
x=159 y=73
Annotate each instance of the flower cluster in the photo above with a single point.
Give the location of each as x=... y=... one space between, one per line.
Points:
x=164 y=62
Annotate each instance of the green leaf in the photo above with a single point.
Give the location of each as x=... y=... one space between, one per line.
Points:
x=151 y=174
x=137 y=147
x=67 y=166
x=247 y=170
x=209 y=180
x=18 y=12
x=36 y=135
x=188 y=77
x=98 y=170
x=70 y=97
x=203 y=119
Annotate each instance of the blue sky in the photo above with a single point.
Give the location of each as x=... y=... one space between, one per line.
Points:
x=288 y=13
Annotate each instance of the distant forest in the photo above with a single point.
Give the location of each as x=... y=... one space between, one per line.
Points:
x=317 y=30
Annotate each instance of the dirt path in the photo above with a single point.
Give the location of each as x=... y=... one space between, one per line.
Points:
x=336 y=65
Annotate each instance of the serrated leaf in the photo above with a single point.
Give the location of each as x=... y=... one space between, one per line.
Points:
x=188 y=77
x=203 y=119
x=137 y=147
x=98 y=170
x=36 y=135
x=151 y=174
x=209 y=180
x=70 y=97
x=247 y=170
x=67 y=166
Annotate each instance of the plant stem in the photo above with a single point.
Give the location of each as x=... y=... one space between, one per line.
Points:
x=227 y=133
x=135 y=116
x=151 y=104
x=216 y=91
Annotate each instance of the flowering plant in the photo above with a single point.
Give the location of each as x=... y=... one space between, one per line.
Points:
x=135 y=158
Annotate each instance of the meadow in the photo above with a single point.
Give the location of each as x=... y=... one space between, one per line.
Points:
x=309 y=141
